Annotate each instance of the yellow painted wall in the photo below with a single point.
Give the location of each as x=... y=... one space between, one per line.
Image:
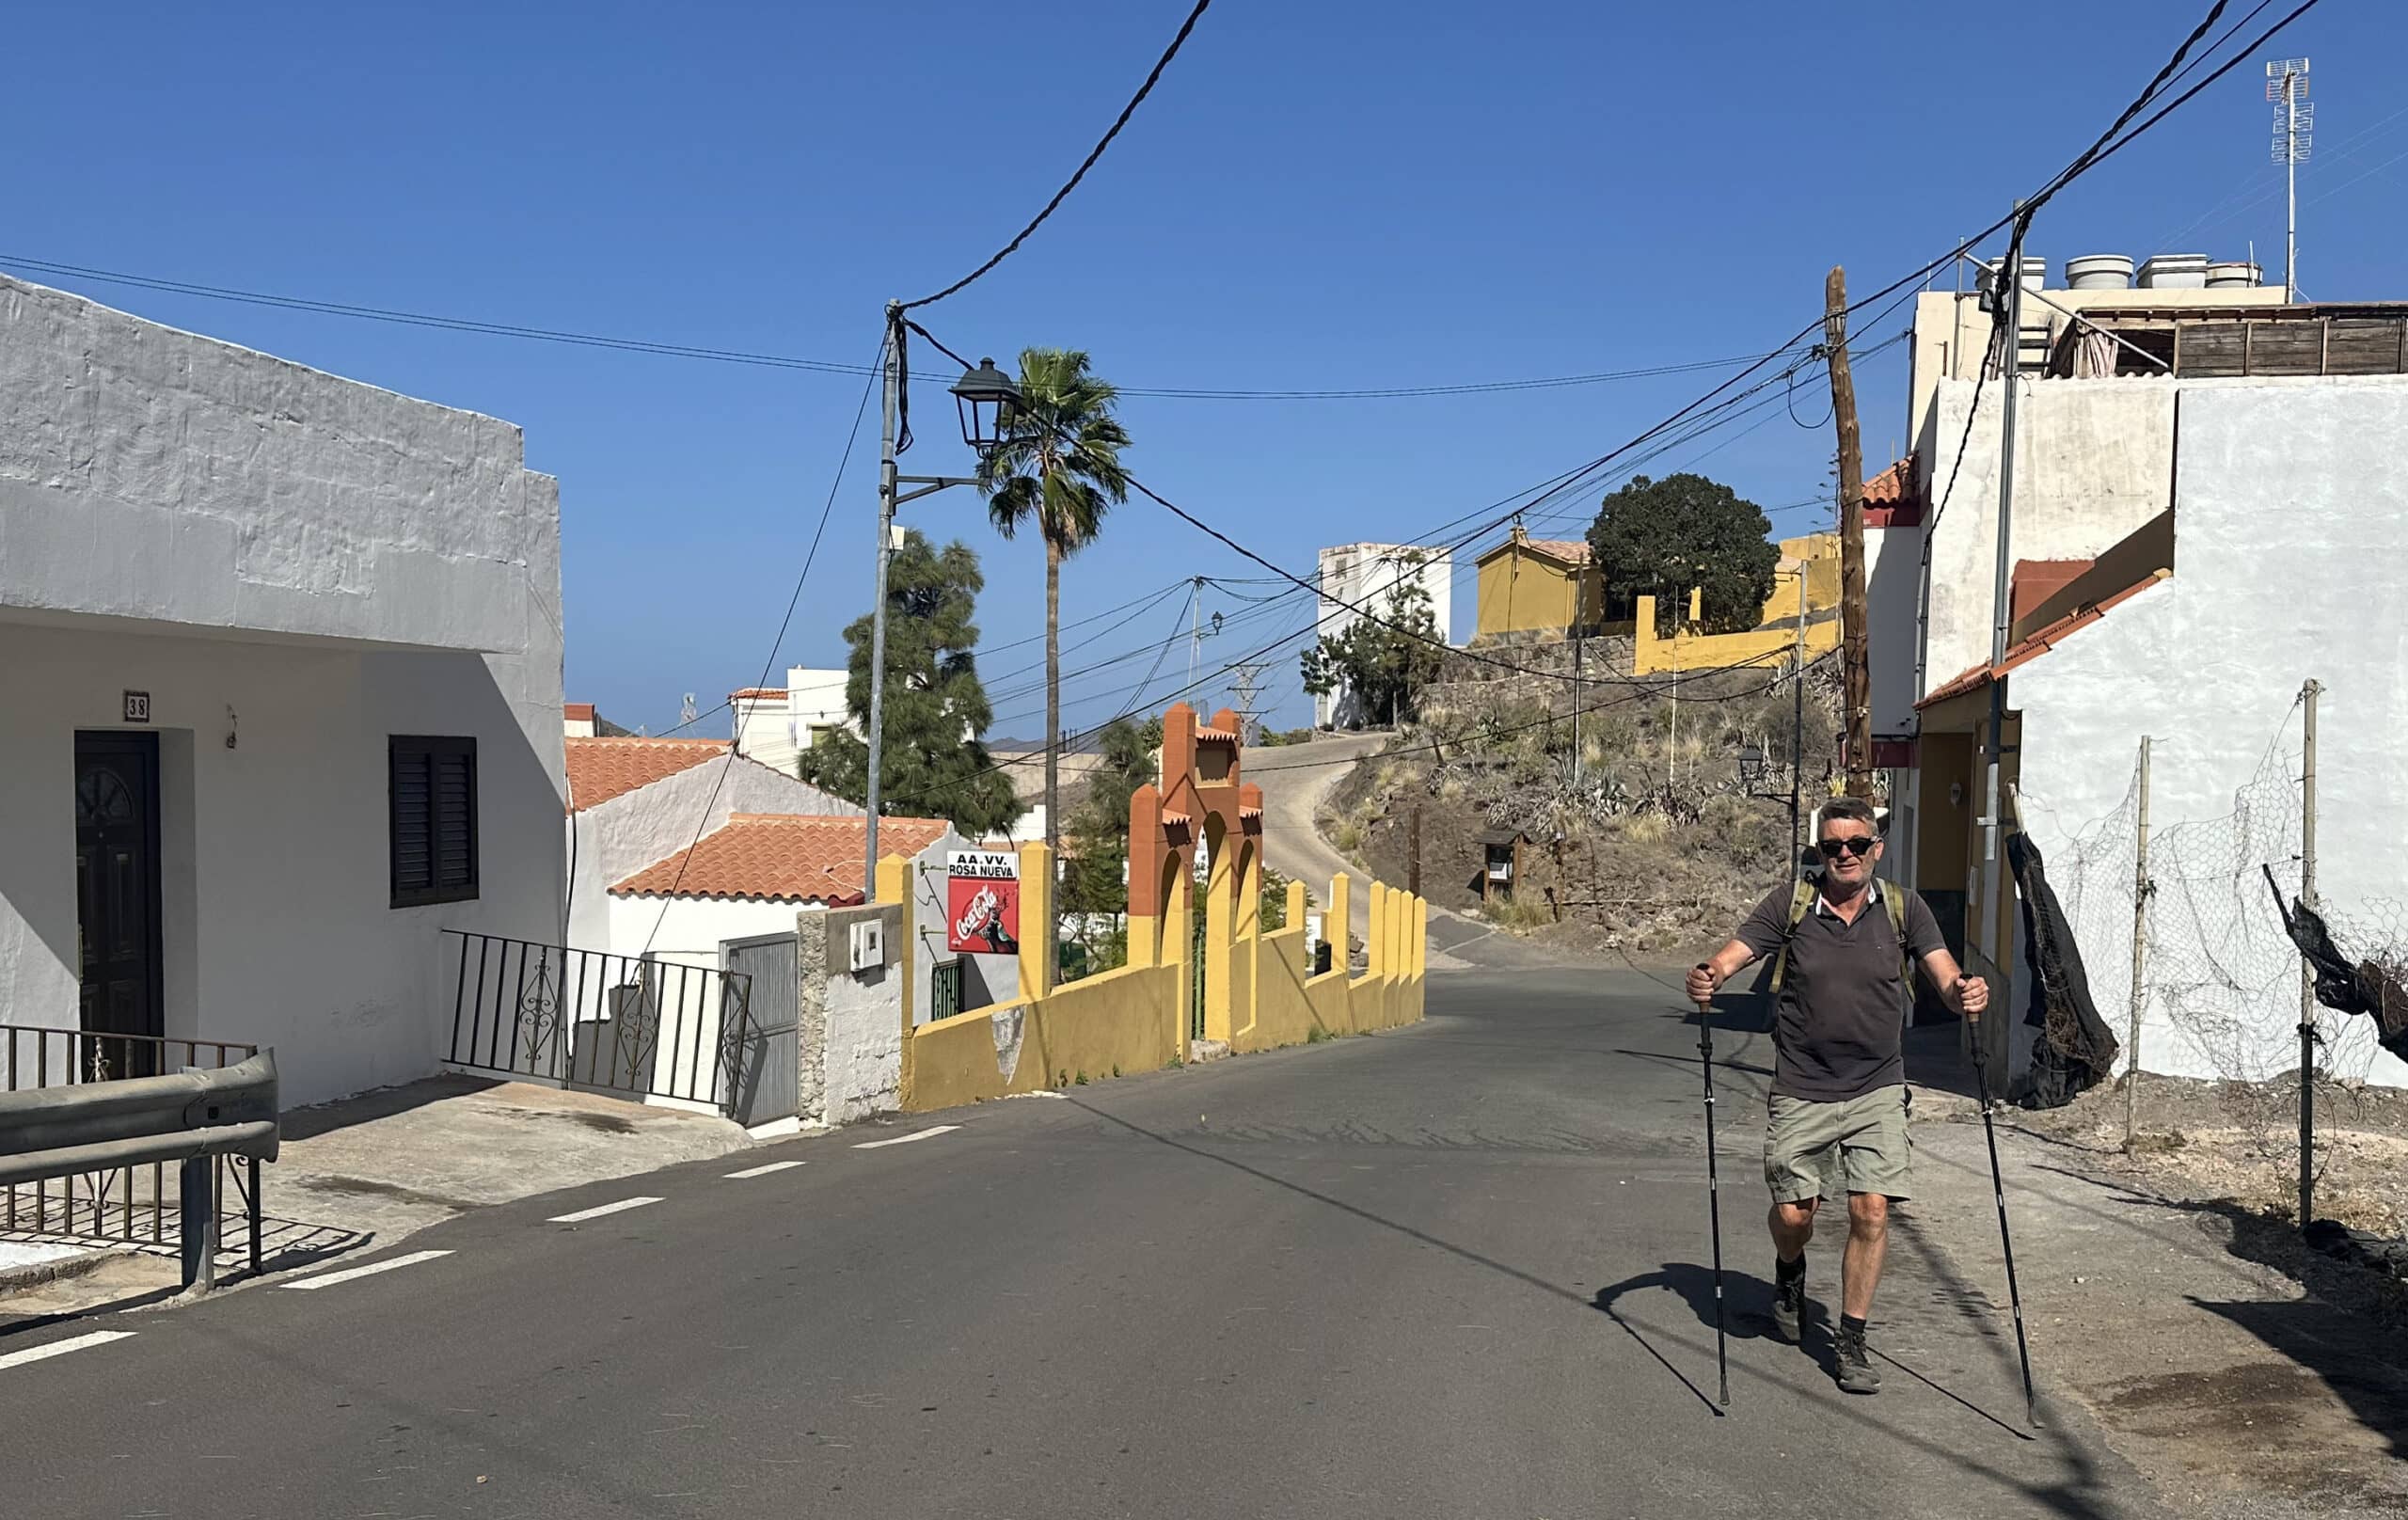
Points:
x=1688 y=651
x=1136 y=1018
x=1521 y=592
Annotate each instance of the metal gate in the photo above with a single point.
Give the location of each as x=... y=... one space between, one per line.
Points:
x=766 y=1079
x=944 y=990
x=1196 y=981
x=630 y=1026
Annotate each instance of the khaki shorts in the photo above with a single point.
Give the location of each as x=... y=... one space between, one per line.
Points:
x=1811 y=1147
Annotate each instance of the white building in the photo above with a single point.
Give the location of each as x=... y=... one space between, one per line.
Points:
x=634 y=802
x=2189 y=548
x=775 y=724
x=1365 y=575
x=279 y=695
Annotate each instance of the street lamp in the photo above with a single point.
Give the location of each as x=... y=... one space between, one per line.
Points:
x=986 y=398
x=1752 y=771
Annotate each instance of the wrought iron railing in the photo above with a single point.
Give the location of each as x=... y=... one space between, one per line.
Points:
x=135 y=1204
x=593 y=1021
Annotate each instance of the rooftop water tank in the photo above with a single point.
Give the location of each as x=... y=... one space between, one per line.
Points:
x=2175 y=272
x=2226 y=276
x=2099 y=272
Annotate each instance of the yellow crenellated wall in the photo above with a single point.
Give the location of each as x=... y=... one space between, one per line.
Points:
x=1684 y=651
x=1136 y=1017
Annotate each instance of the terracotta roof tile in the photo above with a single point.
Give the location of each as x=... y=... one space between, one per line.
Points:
x=1571 y=551
x=757 y=693
x=578 y=712
x=780 y=857
x=2041 y=640
x=600 y=769
x=1891 y=499
x=1216 y=735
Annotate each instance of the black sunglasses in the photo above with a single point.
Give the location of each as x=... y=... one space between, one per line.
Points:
x=1832 y=849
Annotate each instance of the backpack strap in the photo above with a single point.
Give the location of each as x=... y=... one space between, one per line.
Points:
x=1800 y=899
x=1893 y=901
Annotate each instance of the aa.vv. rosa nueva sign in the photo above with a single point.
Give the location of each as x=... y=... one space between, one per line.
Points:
x=982 y=902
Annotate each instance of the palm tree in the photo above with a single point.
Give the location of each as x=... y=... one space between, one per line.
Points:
x=1056 y=463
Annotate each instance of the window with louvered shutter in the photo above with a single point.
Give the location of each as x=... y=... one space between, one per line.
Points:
x=434 y=809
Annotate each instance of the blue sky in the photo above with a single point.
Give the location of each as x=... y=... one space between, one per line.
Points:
x=1317 y=196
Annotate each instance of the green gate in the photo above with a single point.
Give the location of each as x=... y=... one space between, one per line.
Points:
x=944 y=990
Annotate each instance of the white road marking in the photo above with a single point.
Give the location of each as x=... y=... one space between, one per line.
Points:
x=60 y=1348
x=327 y=1279
x=907 y=1139
x=760 y=1171
x=598 y=1211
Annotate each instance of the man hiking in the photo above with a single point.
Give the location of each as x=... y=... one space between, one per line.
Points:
x=1845 y=984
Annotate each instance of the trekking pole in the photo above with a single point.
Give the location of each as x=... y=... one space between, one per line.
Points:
x=1712 y=1187
x=1998 y=1190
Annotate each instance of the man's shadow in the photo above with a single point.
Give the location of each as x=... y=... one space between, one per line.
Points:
x=1747 y=1299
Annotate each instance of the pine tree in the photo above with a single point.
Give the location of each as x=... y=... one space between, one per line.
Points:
x=1661 y=538
x=934 y=765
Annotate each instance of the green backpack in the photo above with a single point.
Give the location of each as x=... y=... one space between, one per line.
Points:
x=1894 y=897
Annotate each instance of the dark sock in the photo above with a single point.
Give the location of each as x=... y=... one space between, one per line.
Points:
x=1852 y=1324
x=1789 y=1271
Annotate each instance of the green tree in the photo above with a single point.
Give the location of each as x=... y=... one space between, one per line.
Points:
x=1661 y=538
x=934 y=765
x=1095 y=877
x=1383 y=666
x=1055 y=466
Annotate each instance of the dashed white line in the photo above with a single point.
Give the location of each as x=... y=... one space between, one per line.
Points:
x=60 y=1348
x=598 y=1211
x=760 y=1171
x=907 y=1139
x=327 y=1279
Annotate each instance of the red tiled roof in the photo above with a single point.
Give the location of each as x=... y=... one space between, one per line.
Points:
x=1891 y=499
x=578 y=712
x=600 y=769
x=780 y=857
x=1216 y=735
x=756 y=692
x=1570 y=550
x=2041 y=640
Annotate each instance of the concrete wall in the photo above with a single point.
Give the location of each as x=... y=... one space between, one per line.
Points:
x=2290 y=525
x=851 y=1040
x=984 y=979
x=614 y=840
x=308 y=565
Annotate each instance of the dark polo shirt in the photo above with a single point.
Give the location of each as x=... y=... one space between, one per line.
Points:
x=1839 y=1027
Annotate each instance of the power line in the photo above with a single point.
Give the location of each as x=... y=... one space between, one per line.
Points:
x=686 y=857
x=1072 y=183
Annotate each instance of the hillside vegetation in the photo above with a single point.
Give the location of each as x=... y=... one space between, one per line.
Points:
x=1652 y=845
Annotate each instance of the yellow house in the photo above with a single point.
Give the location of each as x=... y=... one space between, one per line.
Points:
x=1537 y=585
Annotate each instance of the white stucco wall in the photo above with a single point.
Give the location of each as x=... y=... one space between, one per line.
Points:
x=614 y=840
x=151 y=473
x=1892 y=594
x=2094 y=461
x=776 y=730
x=313 y=565
x=864 y=1049
x=2291 y=521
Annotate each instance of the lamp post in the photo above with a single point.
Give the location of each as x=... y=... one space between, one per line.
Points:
x=983 y=395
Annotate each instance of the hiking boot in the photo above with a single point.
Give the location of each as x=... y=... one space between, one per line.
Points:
x=1853 y=1363
x=1788 y=1307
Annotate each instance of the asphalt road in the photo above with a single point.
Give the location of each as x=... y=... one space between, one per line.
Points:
x=1451 y=1271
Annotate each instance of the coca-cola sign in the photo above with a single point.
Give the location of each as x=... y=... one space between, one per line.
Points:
x=982 y=902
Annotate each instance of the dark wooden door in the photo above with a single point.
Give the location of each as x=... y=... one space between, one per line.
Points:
x=117 y=879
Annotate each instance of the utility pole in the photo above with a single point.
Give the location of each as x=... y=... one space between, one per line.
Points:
x=1241 y=686
x=2294 y=137
x=888 y=409
x=1575 y=709
x=2010 y=269
x=1856 y=682
x=2141 y=891
x=2307 y=977
x=1797 y=734
x=1195 y=629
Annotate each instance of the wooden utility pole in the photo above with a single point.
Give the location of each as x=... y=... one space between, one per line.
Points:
x=1857 y=681
x=2141 y=890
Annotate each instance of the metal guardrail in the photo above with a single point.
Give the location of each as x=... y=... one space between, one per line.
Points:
x=84 y=1116
x=191 y=1118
